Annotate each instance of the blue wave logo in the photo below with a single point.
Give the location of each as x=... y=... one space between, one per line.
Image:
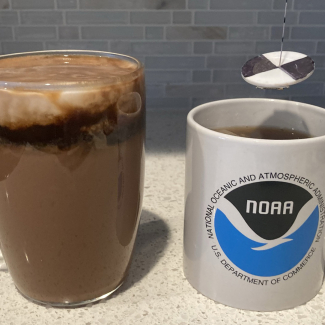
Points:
x=255 y=257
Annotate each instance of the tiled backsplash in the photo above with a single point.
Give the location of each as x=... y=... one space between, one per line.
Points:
x=193 y=50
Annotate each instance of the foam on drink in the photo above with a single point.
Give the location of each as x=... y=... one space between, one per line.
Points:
x=52 y=90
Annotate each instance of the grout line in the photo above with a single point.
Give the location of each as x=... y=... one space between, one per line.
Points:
x=64 y=15
x=19 y=17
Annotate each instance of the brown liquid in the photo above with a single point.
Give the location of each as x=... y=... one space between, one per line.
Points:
x=71 y=181
x=267 y=133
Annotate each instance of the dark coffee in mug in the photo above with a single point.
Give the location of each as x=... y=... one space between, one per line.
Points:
x=264 y=132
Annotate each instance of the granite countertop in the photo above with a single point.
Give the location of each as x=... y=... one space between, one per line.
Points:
x=156 y=291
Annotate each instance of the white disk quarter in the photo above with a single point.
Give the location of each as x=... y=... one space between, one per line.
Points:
x=265 y=71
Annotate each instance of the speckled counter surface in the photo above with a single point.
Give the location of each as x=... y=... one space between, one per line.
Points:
x=156 y=291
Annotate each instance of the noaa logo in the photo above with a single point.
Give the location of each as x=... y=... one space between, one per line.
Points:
x=266 y=228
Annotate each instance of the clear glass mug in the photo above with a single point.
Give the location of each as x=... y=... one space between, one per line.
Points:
x=71 y=190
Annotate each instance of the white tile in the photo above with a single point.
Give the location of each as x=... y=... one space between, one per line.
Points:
x=287 y=56
x=275 y=78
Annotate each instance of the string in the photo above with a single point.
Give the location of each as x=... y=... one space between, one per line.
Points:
x=284 y=25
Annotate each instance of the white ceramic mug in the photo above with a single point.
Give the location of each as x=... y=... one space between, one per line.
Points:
x=254 y=208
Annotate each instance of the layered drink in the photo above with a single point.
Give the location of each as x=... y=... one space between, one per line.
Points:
x=72 y=128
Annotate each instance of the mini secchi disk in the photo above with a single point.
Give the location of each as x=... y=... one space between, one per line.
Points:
x=264 y=71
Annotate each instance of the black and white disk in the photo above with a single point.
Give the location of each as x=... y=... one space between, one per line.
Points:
x=265 y=71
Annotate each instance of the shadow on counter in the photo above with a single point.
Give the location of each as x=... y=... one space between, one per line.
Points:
x=151 y=241
x=166 y=131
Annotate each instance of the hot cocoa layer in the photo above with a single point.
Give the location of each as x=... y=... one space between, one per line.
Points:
x=68 y=220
